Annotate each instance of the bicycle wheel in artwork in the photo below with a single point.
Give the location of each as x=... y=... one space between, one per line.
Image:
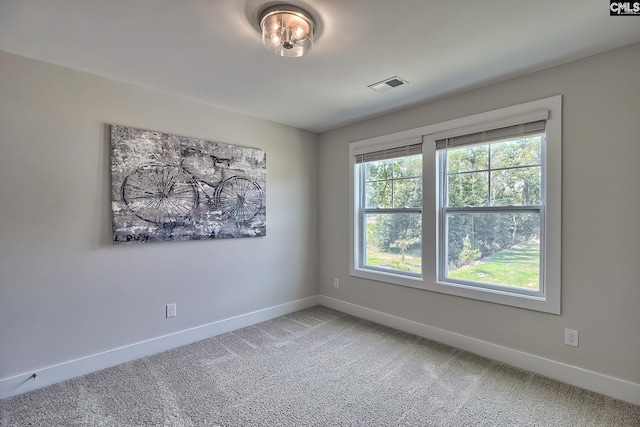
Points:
x=240 y=198
x=160 y=194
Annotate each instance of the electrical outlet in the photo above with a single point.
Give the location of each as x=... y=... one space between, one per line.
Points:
x=336 y=283
x=571 y=337
x=171 y=310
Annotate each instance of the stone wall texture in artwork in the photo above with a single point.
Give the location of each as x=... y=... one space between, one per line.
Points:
x=167 y=187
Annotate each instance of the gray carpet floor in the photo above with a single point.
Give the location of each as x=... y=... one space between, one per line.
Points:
x=316 y=367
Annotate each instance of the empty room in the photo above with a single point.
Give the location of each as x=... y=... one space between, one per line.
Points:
x=362 y=212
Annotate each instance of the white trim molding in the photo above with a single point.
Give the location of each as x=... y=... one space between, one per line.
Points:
x=74 y=368
x=569 y=374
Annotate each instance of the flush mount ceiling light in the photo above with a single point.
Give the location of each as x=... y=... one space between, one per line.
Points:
x=287 y=30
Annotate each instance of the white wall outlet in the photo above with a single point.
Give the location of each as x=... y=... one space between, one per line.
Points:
x=171 y=310
x=571 y=337
x=336 y=283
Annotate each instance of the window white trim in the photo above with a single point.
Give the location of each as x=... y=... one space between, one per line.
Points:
x=549 y=109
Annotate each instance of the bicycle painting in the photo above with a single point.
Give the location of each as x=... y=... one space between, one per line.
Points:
x=169 y=187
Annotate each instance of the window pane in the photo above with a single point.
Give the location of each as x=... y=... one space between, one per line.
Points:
x=408 y=167
x=379 y=194
x=468 y=189
x=375 y=171
x=394 y=183
x=468 y=158
x=407 y=193
x=521 y=152
x=497 y=248
x=393 y=241
x=516 y=187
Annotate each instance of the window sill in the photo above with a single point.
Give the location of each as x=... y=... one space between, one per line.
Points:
x=504 y=297
x=528 y=302
x=388 y=277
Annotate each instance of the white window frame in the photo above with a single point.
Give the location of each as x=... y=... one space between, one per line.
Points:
x=549 y=300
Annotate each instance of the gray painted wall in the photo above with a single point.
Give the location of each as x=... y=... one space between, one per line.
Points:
x=65 y=291
x=601 y=231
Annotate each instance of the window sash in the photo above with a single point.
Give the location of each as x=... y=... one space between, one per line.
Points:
x=360 y=164
x=442 y=159
x=391 y=210
x=492 y=209
x=362 y=263
x=443 y=267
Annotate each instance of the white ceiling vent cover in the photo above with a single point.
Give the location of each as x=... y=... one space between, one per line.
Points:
x=387 y=84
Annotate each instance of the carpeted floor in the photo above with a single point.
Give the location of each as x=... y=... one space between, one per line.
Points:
x=317 y=367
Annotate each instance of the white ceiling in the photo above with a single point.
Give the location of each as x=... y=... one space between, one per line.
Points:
x=211 y=51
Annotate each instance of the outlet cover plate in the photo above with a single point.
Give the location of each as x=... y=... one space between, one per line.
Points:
x=171 y=310
x=571 y=337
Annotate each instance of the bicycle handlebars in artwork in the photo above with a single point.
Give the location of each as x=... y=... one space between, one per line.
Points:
x=167 y=187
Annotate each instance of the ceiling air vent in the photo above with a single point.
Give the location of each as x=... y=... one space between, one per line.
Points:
x=387 y=84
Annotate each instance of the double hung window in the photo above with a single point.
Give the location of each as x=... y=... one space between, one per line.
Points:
x=470 y=207
x=390 y=210
x=491 y=209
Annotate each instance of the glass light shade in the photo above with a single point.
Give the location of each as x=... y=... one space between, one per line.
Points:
x=287 y=30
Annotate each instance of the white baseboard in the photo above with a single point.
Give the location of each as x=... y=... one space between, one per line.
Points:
x=74 y=368
x=583 y=378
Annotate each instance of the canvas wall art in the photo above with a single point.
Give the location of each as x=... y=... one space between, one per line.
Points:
x=168 y=187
